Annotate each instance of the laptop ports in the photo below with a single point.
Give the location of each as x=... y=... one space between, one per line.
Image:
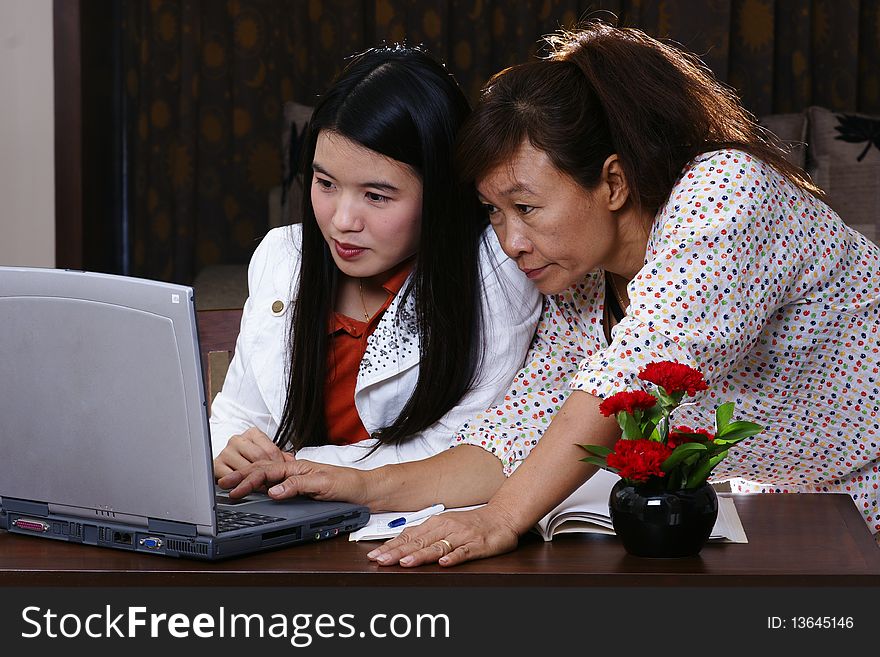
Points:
x=31 y=525
x=151 y=543
x=122 y=538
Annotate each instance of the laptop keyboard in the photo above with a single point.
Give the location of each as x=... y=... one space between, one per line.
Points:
x=228 y=521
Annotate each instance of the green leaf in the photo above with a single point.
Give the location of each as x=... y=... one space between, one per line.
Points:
x=668 y=401
x=693 y=437
x=661 y=431
x=593 y=460
x=723 y=415
x=716 y=447
x=737 y=431
x=700 y=474
x=629 y=425
x=737 y=426
x=679 y=453
x=654 y=413
x=597 y=450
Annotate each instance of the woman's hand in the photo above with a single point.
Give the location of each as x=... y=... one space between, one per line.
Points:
x=291 y=477
x=450 y=538
x=243 y=450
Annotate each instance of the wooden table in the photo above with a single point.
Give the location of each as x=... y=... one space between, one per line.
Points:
x=794 y=540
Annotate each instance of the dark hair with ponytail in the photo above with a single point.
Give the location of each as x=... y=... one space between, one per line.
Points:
x=605 y=90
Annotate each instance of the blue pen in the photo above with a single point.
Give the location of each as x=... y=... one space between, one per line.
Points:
x=418 y=515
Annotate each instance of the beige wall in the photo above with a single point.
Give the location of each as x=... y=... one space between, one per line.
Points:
x=27 y=159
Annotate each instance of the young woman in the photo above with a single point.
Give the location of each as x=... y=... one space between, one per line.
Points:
x=390 y=315
x=663 y=224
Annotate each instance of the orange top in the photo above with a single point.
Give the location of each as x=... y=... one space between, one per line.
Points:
x=348 y=343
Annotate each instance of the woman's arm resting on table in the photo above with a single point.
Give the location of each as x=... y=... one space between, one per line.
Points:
x=552 y=471
x=462 y=476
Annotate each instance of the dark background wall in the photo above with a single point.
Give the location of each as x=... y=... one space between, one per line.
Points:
x=182 y=99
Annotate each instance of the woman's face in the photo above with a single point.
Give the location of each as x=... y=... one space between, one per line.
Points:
x=368 y=206
x=556 y=230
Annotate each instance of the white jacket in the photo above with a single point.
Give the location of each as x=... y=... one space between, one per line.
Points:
x=255 y=386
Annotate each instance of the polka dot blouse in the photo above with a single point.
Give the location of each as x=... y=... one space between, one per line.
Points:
x=766 y=291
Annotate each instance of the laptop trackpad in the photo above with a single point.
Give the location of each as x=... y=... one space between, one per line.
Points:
x=253 y=498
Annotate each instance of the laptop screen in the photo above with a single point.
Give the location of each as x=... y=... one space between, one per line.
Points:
x=101 y=397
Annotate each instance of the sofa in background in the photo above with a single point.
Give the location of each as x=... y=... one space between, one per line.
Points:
x=840 y=151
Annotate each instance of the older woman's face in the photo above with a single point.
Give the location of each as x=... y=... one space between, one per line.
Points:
x=554 y=229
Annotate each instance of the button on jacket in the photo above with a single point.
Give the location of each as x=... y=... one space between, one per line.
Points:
x=255 y=386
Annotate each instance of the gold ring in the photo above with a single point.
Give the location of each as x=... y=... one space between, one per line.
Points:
x=447 y=544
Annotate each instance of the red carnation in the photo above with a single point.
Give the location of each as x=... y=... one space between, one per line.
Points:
x=638 y=460
x=674 y=377
x=629 y=402
x=677 y=435
x=650 y=438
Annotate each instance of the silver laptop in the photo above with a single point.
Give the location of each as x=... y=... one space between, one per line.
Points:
x=104 y=434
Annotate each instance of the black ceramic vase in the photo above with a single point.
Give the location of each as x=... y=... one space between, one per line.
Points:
x=658 y=523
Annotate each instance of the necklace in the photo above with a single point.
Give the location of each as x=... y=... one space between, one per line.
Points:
x=623 y=306
x=363 y=303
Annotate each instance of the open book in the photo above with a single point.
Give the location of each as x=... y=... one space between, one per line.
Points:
x=586 y=510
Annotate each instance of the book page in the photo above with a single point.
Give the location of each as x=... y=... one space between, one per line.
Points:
x=585 y=510
x=728 y=527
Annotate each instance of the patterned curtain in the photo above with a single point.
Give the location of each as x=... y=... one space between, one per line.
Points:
x=206 y=83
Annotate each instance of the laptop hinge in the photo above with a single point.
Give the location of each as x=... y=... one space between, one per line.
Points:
x=23 y=506
x=171 y=527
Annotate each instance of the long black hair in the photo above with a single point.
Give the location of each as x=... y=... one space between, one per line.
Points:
x=401 y=102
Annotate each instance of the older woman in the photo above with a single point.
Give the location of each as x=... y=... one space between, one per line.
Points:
x=663 y=224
